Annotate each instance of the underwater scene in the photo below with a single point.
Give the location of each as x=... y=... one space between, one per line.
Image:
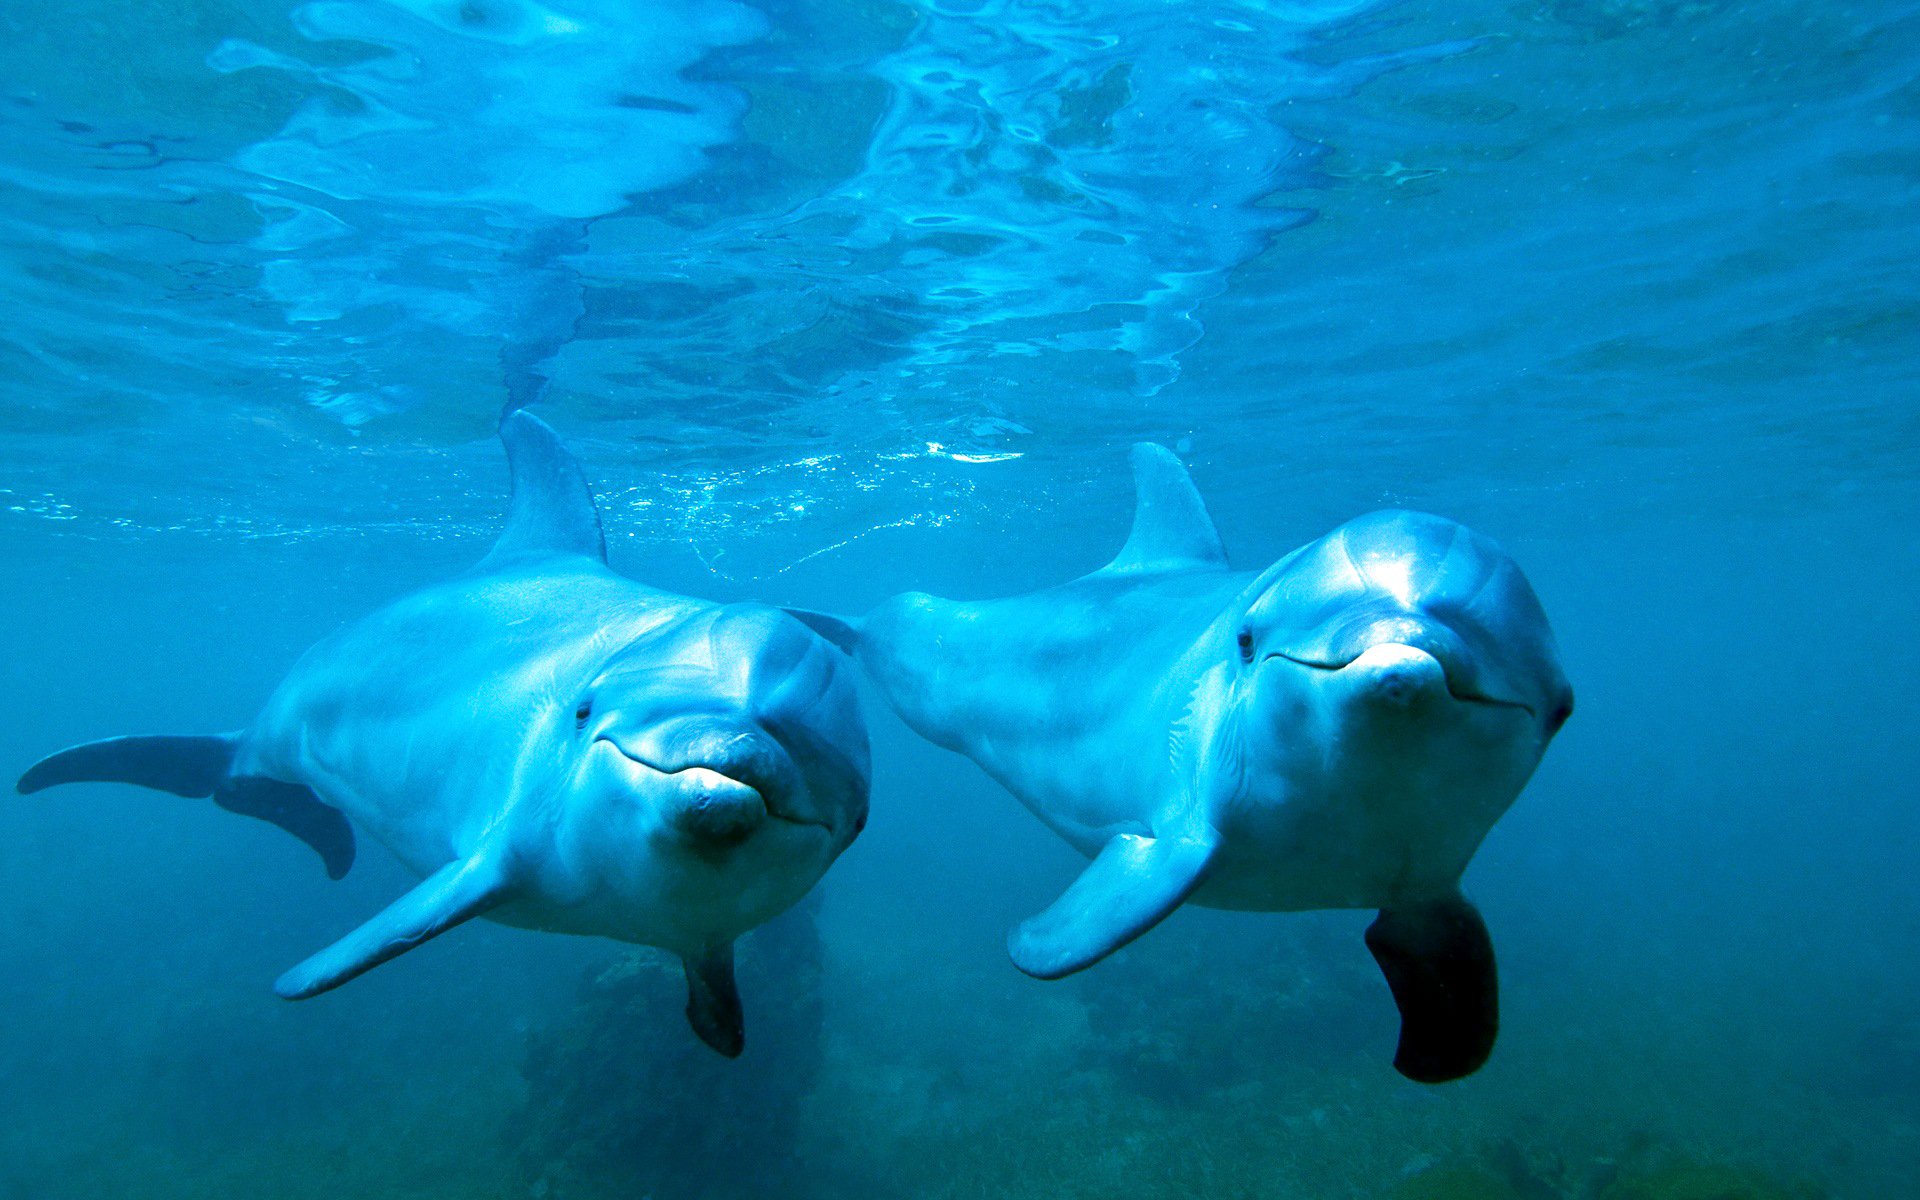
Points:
x=960 y=598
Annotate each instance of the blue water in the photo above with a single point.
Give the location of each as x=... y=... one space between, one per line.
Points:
x=838 y=298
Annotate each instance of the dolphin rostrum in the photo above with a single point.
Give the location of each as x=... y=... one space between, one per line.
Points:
x=1338 y=731
x=549 y=745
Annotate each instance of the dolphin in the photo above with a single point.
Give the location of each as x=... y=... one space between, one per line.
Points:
x=549 y=745
x=1338 y=731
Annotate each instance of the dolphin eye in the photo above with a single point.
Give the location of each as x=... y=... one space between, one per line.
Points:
x=1246 y=645
x=581 y=714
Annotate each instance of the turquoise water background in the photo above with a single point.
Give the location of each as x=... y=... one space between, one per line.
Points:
x=841 y=298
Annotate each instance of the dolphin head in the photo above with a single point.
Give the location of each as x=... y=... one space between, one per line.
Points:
x=1411 y=612
x=1401 y=667
x=722 y=761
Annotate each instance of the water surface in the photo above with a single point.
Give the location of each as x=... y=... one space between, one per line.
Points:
x=842 y=297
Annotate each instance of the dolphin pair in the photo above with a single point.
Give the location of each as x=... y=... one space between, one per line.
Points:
x=551 y=746
x=556 y=747
x=1338 y=731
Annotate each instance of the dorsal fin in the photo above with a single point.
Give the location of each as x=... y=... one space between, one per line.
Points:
x=552 y=510
x=843 y=632
x=1171 y=527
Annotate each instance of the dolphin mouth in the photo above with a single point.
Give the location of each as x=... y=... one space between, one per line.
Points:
x=767 y=795
x=1460 y=691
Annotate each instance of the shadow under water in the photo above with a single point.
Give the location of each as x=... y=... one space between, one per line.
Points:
x=1643 y=1171
x=623 y=1101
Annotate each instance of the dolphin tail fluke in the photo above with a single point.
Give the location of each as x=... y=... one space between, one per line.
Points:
x=456 y=893
x=713 y=1002
x=1129 y=888
x=843 y=632
x=185 y=766
x=200 y=767
x=1438 y=961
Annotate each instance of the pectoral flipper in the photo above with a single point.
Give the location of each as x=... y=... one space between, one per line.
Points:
x=1438 y=959
x=1129 y=888
x=713 y=1001
x=457 y=892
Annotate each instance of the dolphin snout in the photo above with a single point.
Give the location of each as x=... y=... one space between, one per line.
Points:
x=713 y=809
x=1394 y=673
x=1343 y=640
x=1415 y=642
x=1364 y=631
x=723 y=746
x=746 y=754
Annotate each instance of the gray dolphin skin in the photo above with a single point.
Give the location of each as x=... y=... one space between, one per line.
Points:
x=551 y=746
x=1338 y=731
